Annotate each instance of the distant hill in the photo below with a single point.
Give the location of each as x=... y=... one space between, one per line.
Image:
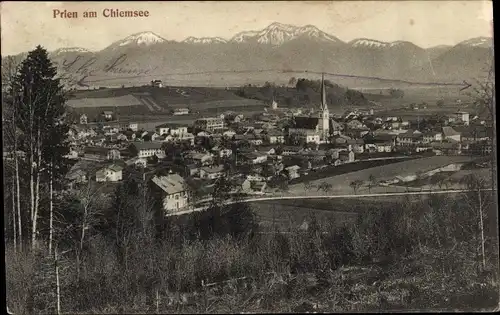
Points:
x=144 y=56
x=306 y=93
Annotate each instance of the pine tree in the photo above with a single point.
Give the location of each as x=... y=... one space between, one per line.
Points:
x=40 y=102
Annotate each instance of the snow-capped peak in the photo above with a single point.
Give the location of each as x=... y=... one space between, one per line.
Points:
x=278 y=33
x=365 y=42
x=141 y=39
x=478 y=42
x=204 y=40
x=70 y=50
x=372 y=43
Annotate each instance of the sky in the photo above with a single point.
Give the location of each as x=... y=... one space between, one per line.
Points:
x=425 y=23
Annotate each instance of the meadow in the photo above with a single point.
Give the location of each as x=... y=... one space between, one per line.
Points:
x=340 y=183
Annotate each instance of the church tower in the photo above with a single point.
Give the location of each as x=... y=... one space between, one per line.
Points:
x=324 y=121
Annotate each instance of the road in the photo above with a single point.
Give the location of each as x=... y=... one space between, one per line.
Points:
x=268 y=198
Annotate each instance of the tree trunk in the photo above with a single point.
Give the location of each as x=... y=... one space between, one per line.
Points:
x=35 y=212
x=58 y=288
x=32 y=201
x=51 y=209
x=18 y=204
x=481 y=227
x=14 y=216
x=37 y=189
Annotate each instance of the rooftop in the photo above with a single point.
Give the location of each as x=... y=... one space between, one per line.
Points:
x=147 y=145
x=171 y=184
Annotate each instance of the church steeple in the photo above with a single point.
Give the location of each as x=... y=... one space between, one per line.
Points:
x=324 y=121
x=323 y=93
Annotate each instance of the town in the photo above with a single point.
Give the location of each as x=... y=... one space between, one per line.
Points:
x=270 y=157
x=265 y=153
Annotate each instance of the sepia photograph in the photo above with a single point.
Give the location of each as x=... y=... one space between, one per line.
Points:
x=165 y=157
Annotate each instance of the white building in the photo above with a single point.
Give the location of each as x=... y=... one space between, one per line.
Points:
x=171 y=129
x=211 y=172
x=175 y=195
x=145 y=149
x=463 y=117
x=181 y=111
x=209 y=124
x=111 y=173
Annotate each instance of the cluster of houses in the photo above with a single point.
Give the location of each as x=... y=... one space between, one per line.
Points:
x=255 y=151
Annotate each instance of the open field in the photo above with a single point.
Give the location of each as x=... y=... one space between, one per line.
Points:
x=330 y=171
x=293 y=213
x=258 y=77
x=113 y=101
x=285 y=214
x=159 y=101
x=223 y=98
x=340 y=183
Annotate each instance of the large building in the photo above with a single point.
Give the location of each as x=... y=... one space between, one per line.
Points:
x=145 y=149
x=175 y=195
x=313 y=128
x=209 y=124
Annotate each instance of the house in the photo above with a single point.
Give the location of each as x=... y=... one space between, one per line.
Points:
x=432 y=136
x=112 y=173
x=145 y=149
x=254 y=157
x=108 y=115
x=448 y=148
x=133 y=126
x=165 y=138
x=450 y=134
x=171 y=129
x=357 y=145
x=384 y=147
x=290 y=150
x=229 y=134
x=258 y=186
x=409 y=137
x=137 y=161
x=72 y=154
x=200 y=158
x=181 y=111
x=473 y=133
x=255 y=140
x=310 y=137
x=346 y=157
x=222 y=152
x=462 y=117
x=81 y=132
x=83 y=119
x=77 y=174
x=292 y=171
x=211 y=172
x=192 y=169
x=175 y=195
x=209 y=124
x=156 y=83
x=275 y=136
x=101 y=154
x=354 y=124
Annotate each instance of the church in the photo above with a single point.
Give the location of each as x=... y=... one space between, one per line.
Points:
x=315 y=129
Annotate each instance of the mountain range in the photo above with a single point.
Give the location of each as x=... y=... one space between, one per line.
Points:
x=280 y=47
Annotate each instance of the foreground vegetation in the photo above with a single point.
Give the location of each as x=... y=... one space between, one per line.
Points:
x=117 y=256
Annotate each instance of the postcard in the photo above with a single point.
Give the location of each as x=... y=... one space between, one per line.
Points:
x=249 y=157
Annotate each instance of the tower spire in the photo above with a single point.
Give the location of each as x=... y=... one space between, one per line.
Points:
x=323 y=92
